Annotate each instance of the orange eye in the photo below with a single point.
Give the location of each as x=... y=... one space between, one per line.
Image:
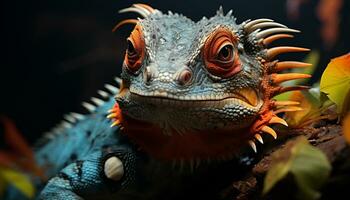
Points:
x=220 y=56
x=135 y=51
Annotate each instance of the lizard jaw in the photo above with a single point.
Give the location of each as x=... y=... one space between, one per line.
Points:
x=230 y=111
x=247 y=97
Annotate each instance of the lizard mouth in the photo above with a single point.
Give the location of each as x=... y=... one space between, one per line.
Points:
x=246 y=97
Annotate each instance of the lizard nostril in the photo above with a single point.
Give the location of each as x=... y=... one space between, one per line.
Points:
x=147 y=75
x=185 y=77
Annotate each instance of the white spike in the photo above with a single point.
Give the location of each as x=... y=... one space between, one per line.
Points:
x=118 y=80
x=66 y=125
x=103 y=94
x=77 y=116
x=89 y=106
x=136 y=10
x=142 y=8
x=265 y=25
x=252 y=144
x=111 y=88
x=229 y=13
x=259 y=138
x=220 y=11
x=257 y=21
x=97 y=101
x=69 y=118
x=50 y=136
x=271 y=31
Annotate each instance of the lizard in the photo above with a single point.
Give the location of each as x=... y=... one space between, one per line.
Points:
x=189 y=92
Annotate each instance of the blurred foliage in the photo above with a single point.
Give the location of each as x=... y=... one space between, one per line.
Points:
x=315 y=106
x=18 y=153
x=346 y=128
x=335 y=82
x=16 y=179
x=18 y=162
x=308 y=165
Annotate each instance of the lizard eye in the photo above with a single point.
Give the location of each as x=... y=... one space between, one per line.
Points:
x=135 y=51
x=220 y=56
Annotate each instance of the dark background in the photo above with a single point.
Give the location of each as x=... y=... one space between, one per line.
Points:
x=56 y=54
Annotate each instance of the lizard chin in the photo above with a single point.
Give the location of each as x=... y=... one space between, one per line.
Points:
x=192 y=129
x=213 y=144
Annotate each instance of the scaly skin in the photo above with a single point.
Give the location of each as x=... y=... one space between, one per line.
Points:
x=190 y=91
x=201 y=90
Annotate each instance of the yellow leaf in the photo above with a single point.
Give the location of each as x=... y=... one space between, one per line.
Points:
x=2 y=186
x=346 y=128
x=335 y=82
x=18 y=180
x=310 y=109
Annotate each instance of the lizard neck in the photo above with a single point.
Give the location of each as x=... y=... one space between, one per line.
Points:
x=194 y=144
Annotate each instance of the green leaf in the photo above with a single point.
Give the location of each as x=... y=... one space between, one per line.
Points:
x=335 y=82
x=308 y=165
x=18 y=180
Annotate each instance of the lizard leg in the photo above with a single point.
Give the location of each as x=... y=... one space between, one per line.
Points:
x=101 y=173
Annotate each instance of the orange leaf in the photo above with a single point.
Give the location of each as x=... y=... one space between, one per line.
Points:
x=309 y=105
x=14 y=139
x=21 y=154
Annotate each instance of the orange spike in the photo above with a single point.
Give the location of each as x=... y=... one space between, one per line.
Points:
x=281 y=90
x=277 y=120
x=252 y=145
x=287 y=109
x=112 y=110
x=147 y=7
x=259 y=138
x=126 y=21
x=273 y=52
x=272 y=38
x=117 y=122
x=270 y=131
x=289 y=65
x=279 y=78
x=112 y=115
x=286 y=103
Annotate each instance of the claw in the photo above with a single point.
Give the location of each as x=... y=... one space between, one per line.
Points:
x=259 y=138
x=116 y=123
x=252 y=145
x=112 y=115
x=270 y=131
x=279 y=78
x=273 y=52
x=277 y=120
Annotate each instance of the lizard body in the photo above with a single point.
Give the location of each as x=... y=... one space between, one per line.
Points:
x=190 y=91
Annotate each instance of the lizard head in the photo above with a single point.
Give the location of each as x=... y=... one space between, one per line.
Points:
x=200 y=89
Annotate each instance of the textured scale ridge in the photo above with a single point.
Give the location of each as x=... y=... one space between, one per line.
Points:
x=189 y=93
